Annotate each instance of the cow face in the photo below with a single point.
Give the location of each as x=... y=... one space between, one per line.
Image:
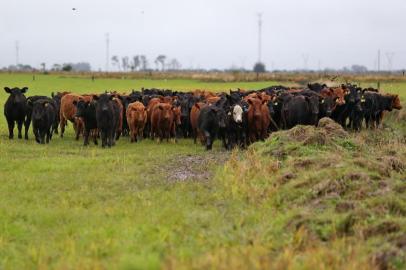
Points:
x=39 y=109
x=17 y=96
x=177 y=114
x=255 y=107
x=166 y=111
x=313 y=102
x=328 y=104
x=81 y=107
x=103 y=102
x=237 y=114
x=396 y=102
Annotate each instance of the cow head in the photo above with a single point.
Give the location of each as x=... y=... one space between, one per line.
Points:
x=17 y=96
x=328 y=104
x=237 y=112
x=103 y=101
x=81 y=107
x=314 y=104
x=177 y=114
x=166 y=110
x=255 y=107
x=39 y=109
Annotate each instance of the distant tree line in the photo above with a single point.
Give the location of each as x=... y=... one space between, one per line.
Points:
x=141 y=63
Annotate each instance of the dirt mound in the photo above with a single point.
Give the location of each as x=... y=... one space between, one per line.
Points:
x=326 y=132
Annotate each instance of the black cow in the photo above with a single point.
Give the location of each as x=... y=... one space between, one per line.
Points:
x=300 y=110
x=43 y=117
x=30 y=105
x=316 y=87
x=212 y=123
x=15 y=110
x=87 y=111
x=186 y=104
x=107 y=117
x=236 y=126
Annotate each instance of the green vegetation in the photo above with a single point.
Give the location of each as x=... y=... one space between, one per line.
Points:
x=305 y=198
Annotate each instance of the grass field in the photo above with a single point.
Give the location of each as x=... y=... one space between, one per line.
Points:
x=281 y=204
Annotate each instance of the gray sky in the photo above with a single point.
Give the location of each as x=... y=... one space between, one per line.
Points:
x=206 y=33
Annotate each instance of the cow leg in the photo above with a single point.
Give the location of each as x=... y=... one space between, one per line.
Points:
x=86 y=137
x=10 y=129
x=19 y=128
x=48 y=135
x=27 y=123
x=194 y=136
x=62 y=124
x=209 y=143
x=42 y=137
x=103 y=138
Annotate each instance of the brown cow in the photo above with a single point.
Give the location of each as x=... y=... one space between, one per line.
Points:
x=258 y=119
x=340 y=93
x=68 y=112
x=194 y=115
x=136 y=119
x=162 y=121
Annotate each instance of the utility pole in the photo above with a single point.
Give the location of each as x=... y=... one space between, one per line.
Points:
x=17 y=52
x=107 y=51
x=379 y=60
x=259 y=36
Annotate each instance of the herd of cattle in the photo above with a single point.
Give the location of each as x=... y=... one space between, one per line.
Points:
x=237 y=118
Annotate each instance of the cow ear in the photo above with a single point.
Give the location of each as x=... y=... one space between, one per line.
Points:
x=160 y=107
x=95 y=97
x=250 y=101
x=264 y=101
x=7 y=89
x=52 y=94
x=75 y=102
x=197 y=106
x=24 y=90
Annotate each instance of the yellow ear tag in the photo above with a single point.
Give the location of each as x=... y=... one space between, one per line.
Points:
x=276 y=103
x=322 y=101
x=46 y=104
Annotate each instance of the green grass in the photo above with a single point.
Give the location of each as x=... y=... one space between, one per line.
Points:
x=64 y=206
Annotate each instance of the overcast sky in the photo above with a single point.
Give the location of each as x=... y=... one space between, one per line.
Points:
x=206 y=33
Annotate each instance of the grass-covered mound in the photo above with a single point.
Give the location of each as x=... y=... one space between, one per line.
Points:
x=323 y=199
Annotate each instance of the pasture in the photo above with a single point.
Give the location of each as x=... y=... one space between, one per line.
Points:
x=280 y=204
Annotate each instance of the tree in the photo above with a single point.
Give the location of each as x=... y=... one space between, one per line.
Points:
x=359 y=69
x=125 y=64
x=67 y=67
x=136 y=62
x=259 y=67
x=43 y=67
x=115 y=61
x=161 y=60
x=56 y=67
x=144 y=62
x=174 y=64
